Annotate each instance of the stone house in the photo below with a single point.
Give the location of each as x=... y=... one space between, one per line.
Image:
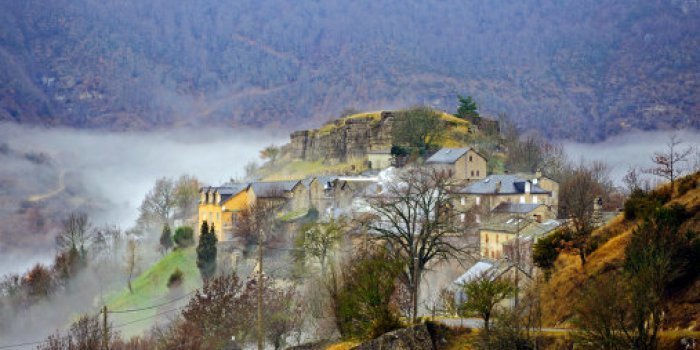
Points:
x=220 y=206
x=546 y=184
x=528 y=237
x=466 y=164
x=537 y=212
x=329 y=194
x=496 y=237
x=497 y=189
x=292 y=195
x=379 y=159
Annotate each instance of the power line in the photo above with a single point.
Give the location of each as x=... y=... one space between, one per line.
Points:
x=146 y=318
x=152 y=306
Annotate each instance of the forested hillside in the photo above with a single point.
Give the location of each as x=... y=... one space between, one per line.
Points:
x=570 y=69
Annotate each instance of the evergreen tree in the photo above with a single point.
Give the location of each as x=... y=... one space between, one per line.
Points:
x=166 y=240
x=206 y=251
x=467 y=107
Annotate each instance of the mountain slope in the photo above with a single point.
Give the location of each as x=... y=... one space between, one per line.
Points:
x=562 y=290
x=574 y=69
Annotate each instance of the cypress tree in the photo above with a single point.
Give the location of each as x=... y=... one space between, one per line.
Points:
x=206 y=251
x=166 y=240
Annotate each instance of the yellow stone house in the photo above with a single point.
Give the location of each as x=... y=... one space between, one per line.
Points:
x=220 y=205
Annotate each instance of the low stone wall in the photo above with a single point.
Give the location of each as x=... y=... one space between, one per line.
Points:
x=413 y=338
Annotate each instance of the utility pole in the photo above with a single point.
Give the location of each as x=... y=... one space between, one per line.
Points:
x=105 y=336
x=517 y=264
x=261 y=343
x=415 y=286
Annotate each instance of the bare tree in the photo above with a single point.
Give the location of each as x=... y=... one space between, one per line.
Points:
x=632 y=180
x=158 y=205
x=270 y=152
x=131 y=259
x=578 y=194
x=668 y=163
x=320 y=240
x=186 y=194
x=75 y=234
x=415 y=218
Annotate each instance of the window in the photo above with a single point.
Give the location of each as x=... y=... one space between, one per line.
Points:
x=487 y=238
x=463 y=201
x=486 y=252
x=477 y=218
x=462 y=217
x=522 y=199
x=498 y=239
x=477 y=173
x=470 y=158
x=478 y=200
x=472 y=172
x=534 y=199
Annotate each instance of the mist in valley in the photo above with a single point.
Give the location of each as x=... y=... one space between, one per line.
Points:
x=634 y=150
x=113 y=171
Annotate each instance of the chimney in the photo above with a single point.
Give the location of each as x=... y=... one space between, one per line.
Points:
x=538 y=174
x=498 y=186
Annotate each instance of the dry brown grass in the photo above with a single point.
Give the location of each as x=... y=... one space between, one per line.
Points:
x=560 y=293
x=347 y=345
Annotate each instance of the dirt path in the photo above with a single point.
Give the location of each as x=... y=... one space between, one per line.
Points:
x=59 y=188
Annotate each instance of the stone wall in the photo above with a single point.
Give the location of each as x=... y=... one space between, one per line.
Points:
x=347 y=138
x=412 y=338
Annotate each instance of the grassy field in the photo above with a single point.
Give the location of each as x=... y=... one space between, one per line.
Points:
x=285 y=169
x=150 y=288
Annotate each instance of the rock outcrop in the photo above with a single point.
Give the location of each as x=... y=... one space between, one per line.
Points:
x=344 y=139
x=413 y=338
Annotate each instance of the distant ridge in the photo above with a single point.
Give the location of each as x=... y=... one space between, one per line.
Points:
x=571 y=69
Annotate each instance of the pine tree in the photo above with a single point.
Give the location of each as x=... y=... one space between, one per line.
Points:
x=206 y=251
x=467 y=107
x=166 y=240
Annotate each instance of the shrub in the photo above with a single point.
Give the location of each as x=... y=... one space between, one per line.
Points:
x=545 y=252
x=686 y=184
x=362 y=303
x=176 y=278
x=184 y=237
x=641 y=204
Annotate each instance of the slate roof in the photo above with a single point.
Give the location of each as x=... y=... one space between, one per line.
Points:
x=508 y=225
x=447 y=155
x=474 y=272
x=226 y=191
x=271 y=188
x=539 y=229
x=518 y=208
x=510 y=184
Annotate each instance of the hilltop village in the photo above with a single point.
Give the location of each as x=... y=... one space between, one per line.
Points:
x=492 y=210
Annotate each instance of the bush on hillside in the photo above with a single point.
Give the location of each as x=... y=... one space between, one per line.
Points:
x=362 y=300
x=640 y=203
x=184 y=237
x=176 y=278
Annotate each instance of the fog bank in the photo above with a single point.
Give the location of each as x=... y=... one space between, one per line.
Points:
x=118 y=169
x=631 y=150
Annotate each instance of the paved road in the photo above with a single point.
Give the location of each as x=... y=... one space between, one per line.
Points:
x=479 y=323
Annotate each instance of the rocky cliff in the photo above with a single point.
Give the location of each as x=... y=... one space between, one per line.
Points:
x=343 y=139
